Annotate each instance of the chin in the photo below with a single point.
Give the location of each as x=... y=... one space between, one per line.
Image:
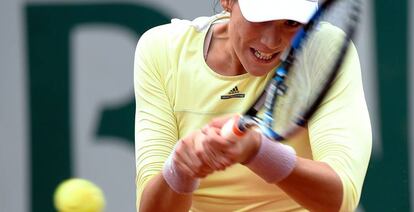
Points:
x=259 y=68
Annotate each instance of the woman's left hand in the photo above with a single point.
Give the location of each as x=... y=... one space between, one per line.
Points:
x=235 y=151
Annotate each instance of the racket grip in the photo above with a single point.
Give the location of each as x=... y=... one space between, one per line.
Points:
x=231 y=130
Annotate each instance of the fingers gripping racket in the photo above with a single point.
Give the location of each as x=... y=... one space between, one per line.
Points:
x=307 y=70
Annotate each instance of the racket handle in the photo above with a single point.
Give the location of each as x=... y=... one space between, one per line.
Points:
x=231 y=130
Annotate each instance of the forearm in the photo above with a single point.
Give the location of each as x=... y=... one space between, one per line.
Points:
x=314 y=185
x=158 y=196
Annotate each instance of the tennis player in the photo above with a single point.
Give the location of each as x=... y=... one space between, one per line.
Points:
x=190 y=76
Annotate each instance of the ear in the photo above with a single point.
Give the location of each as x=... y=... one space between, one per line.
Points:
x=227 y=4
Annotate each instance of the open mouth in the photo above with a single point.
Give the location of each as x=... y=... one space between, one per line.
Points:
x=263 y=57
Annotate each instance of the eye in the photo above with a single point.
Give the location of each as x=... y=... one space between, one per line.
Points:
x=292 y=24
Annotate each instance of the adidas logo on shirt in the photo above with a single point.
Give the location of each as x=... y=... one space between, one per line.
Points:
x=233 y=93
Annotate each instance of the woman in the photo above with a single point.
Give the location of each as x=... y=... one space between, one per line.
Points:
x=190 y=75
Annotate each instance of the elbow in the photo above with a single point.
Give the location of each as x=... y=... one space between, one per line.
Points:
x=333 y=203
x=350 y=198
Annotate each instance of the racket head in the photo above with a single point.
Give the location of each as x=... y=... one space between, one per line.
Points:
x=314 y=60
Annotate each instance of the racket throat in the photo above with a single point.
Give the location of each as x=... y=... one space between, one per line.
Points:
x=248 y=122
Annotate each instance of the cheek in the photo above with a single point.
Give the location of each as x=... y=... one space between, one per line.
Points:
x=289 y=36
x=247 y=38
x=243 y=32
x=240 y=39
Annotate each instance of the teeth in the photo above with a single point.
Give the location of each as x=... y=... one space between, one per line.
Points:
x=262 y=56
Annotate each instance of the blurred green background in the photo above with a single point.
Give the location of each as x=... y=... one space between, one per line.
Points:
x=67 y=104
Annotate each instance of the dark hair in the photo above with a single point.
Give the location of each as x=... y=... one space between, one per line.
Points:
x=215 y=4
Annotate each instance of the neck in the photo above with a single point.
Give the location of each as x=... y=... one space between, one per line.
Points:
x=221 y=56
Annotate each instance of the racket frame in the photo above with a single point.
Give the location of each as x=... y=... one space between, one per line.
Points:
x=276 y=86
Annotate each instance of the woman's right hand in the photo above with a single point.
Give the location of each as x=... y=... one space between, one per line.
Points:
x=205 y=151
x=195 y=157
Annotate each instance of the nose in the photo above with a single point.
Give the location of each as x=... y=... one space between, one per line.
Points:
x=272 y=37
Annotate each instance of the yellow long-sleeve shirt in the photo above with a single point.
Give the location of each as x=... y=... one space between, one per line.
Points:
x=177 y=93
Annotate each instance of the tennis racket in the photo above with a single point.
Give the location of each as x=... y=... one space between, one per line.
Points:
x=303 y=77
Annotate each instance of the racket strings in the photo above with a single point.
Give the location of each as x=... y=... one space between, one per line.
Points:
x=315 y=66
x=304 y=81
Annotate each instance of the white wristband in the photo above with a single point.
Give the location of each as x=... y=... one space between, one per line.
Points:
x=274 y=161
x=178 y=181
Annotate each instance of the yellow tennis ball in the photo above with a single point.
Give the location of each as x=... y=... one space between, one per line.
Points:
x=79 y=195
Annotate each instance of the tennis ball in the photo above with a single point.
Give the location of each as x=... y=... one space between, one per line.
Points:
x=78 y=195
